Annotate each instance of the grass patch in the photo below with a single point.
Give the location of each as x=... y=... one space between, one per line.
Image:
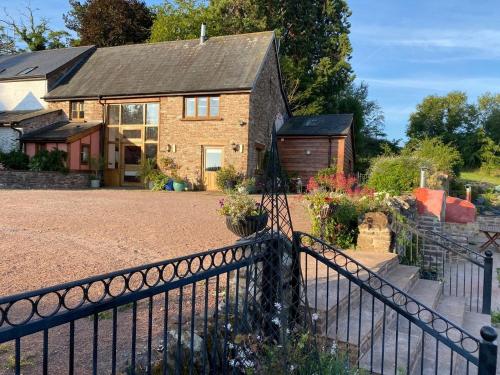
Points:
x=479 y=176
x=495 y=318
x=5 y=348
x=108 y=314
x=26 y=361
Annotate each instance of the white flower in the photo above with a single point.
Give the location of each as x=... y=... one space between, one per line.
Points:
x=232 y=362
x=278 y=306
x=333 y=349
x=259 y=338
x=248 y=364
x=315 y=317
x=230 y=345
x=228 y=326
x=287 y=331
x=276 y=321
x=292 y=367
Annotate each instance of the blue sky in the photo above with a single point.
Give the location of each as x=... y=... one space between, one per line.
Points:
x=403 y=49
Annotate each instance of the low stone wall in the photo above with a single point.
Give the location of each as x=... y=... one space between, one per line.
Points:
x=43 y=180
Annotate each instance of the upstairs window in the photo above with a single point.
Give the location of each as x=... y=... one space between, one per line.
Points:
x=77 y=110
x=201 y=107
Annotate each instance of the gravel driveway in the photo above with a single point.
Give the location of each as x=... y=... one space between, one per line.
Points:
x=49 y=236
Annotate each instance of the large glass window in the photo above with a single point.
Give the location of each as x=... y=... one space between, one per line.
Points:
x=213 y=159
x=132 y=114
x=201 y=107
x=113 y=114
x=152 y=114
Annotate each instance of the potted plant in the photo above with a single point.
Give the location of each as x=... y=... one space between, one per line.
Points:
x=147 y=172
x=96 y=165
x=179 y=183
x=247 y=185
x=244 y=216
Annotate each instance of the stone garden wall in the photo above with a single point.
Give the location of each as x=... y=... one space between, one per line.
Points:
x=42 y=180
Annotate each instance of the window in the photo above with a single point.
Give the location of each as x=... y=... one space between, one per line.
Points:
x=77 y=111
x=26 y=70
x=132 y=114
x=40 y=147
x=261 y=153
x=84 y=153
x=201 y=107
x=135 y=126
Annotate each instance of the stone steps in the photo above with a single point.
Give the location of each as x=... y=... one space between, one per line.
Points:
x=473 y=322
x=401 y=343
x=453 y=309
x=355 y=330
x=324 y=291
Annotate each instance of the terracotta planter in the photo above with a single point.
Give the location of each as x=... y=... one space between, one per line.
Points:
x=247 y=226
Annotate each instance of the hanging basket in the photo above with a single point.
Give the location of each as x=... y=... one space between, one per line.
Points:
x=247 y=226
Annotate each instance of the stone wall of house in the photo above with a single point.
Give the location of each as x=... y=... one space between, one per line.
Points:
x=191 y=136
x=93 y=109
x=267 y=103
x=38 y=122
x=42 y=180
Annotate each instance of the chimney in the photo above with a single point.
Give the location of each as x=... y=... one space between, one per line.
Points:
x=203 y=33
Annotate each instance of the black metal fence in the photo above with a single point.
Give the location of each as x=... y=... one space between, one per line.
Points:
x=463 y=271
x=167 y=317
x=181 y=316
x=382 y=327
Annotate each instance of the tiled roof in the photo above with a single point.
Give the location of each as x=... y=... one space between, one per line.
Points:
x=8 y=117
x=221 y=63
x=60 y=132
x=320 y=125
x=37 y=64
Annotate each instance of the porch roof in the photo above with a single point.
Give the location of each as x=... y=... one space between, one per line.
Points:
x=10 y=117
x=320 y=125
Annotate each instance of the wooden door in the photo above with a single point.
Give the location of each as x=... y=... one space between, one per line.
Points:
x=212 y=162
x=131 y=162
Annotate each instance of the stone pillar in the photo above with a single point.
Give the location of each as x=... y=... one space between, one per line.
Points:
x=374 y=233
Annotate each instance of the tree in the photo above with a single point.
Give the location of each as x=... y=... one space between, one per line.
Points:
x=107 y=23
x=442 y=116
x=37 y=35
x=7 y=44
x=314 y=43
x=489 y=115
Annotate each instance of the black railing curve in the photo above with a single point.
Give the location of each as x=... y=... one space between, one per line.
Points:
x=472 y=279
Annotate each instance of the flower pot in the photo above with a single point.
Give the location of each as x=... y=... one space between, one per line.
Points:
x=179 y=186
x=247 y=226
x=95 y=184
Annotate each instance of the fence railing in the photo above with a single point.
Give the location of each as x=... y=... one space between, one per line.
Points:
x=166 y=317
x=463 y=271
x=182 y=316
x=384 y=329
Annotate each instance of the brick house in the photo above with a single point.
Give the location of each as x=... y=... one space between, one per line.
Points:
x=25 y=79
x=206 y=104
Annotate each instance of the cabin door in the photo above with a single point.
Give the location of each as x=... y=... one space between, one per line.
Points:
x=212 y=162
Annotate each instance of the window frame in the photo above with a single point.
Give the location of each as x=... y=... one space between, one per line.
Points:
x=78 y=111
x=196 y=116
x=82 y=146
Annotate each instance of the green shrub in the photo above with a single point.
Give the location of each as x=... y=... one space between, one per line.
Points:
x=444 y=158
x=228 y=178
x=341 y=225
x=159 y=181
x=15 y=159
x=396 y=174
x=54 y=161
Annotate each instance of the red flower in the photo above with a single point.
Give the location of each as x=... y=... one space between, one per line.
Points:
x=312 y=185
